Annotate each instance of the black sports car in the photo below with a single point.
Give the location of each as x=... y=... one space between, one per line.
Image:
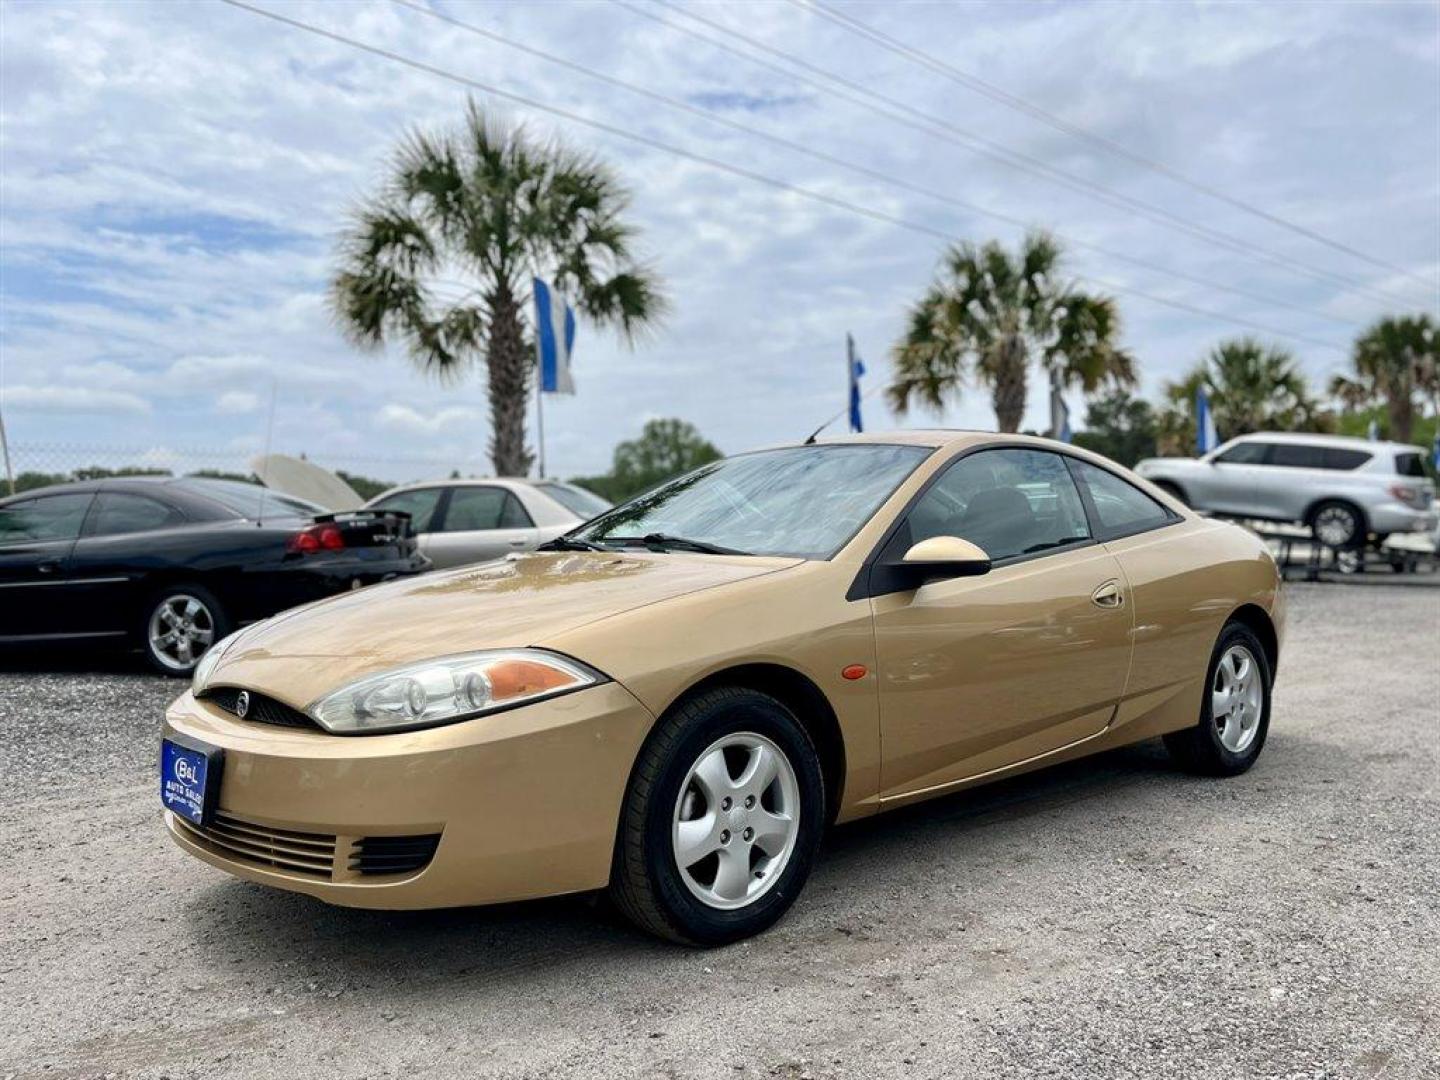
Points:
x=173 y=565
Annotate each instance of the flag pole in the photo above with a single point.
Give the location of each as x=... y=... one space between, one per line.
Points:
x=5 y=446
x=849 y=368
x=540 y=415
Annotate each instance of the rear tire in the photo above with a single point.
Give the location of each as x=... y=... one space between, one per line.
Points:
x=1234 y=708
x=1338 y=525
x=180 y=623
x=730 y=784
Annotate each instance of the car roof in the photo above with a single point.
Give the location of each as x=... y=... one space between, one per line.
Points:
x=510 y=482
x=949 y=438
x=1339 y=442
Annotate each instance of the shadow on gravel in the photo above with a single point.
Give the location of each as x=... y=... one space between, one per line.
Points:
x=274 y=936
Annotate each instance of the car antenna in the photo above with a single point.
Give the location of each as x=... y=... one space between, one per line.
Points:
x=810 y=440
x=269 y=435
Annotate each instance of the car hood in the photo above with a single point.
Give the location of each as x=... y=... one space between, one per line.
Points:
x=523 y=600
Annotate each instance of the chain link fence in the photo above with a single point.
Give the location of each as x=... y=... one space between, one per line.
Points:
x=34 y=465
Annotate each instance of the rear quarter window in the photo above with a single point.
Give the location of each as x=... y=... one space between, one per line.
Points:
x=1410 y=464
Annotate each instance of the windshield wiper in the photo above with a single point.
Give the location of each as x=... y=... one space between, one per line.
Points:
x=1054 y=544
x=569 y=543
x=664 y=540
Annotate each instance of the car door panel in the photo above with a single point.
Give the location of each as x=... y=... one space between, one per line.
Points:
x=1172 y=577
x=980 y=673
x=37 y=537
x=480 y=522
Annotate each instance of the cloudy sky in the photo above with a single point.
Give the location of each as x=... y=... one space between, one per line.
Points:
x=173 y=177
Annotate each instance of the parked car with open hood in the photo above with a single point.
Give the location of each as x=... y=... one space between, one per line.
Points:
x=1344 y=489
x=675 y=700
x=173 y=565
x=468 y=521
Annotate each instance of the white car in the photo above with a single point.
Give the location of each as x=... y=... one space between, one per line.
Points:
x=1344 y=489
x=466 y=521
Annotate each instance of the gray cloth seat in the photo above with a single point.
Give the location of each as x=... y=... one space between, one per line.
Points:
x=1000 y=520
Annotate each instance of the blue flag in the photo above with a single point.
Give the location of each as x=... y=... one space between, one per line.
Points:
x=857 y=368
x=1435 y=452
x=1205 y=437
x=554 y=339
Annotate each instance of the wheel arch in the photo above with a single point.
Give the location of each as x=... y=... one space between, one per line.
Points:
x=798 y=693
x=1258 y=620
x=1171 y=487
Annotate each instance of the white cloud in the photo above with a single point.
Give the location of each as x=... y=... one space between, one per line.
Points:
x=172 y=247
x=237 y=401
x=410 y=421
x=72 y=399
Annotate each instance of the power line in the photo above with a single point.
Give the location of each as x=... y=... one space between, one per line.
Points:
x=737 y=170
x=845 y=163
x=944 y=129
x=1059 y=123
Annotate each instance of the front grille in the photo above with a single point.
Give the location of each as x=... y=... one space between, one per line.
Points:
x=312 y=854
x=393 y=854
x=262 y=710
x=318 y=855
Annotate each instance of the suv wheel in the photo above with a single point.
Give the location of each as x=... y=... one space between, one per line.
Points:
x=1337 y=524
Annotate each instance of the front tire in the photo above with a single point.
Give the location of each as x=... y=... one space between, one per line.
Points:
x=181 y=623
x=1234 y=708
x=722 y=820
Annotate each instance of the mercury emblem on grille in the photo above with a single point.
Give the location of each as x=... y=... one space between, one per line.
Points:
x=242 y=704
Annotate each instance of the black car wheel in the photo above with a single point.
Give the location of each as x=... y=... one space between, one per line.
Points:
x=723 y=816
x=1234 y=708
x=181 y=623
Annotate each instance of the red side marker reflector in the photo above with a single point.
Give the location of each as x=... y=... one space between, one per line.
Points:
x=854 y=671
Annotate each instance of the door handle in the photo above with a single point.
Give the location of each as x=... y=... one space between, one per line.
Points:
x=49 y=566
x=517 y=543
x=1108 y=595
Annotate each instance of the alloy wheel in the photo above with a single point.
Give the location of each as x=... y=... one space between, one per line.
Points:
x=1335 y=526
x=181 y=629
x=1236 y=697
x=736 y=821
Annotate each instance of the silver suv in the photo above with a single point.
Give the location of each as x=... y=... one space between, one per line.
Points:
x=1345 y=490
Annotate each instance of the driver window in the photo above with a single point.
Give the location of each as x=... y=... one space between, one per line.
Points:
x=1009 y=502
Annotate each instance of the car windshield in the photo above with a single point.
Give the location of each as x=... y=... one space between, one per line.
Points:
x=803 y=501
x=583 y=504
x=249 y=500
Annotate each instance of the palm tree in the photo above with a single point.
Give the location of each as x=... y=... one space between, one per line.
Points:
x=989 y=315
x=440 y=260
x=1251 y=386
x=1396 y=360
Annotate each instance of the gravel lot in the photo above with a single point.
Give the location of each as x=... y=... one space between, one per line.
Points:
x=1111 y=917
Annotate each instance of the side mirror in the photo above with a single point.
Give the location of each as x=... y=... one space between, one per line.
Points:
x=944 y=557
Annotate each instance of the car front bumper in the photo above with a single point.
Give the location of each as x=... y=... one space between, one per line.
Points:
x=525 y=802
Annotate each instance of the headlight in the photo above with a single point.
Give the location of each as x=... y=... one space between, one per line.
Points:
x=206 y=667
x=447 y=689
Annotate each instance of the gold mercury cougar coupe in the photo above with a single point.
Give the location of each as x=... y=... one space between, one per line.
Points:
x=676 y=699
